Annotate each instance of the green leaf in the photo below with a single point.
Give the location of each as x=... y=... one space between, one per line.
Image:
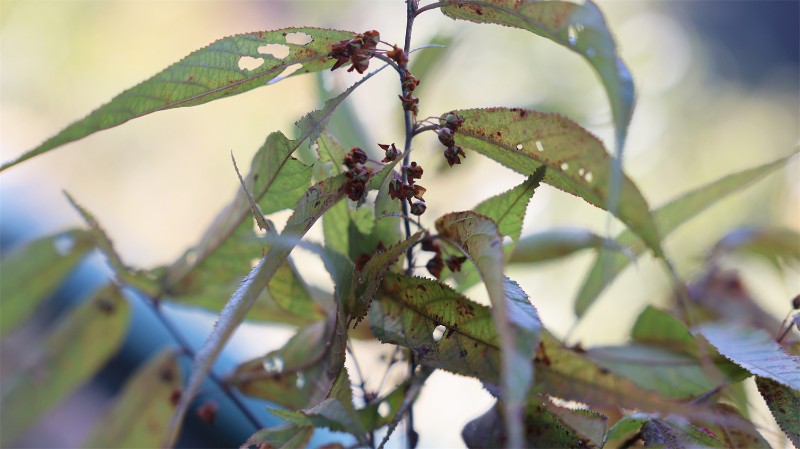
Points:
x=623 y=431
x=302 y=372
x=32 y=273
x=141 y=280
x=576 y=161
x=738 y=433
x=217 y=71
x=669 y=373
x=753 y=350
x=140 y=414
x=335 y=412
x=479 y=239
x=370 y=416
x=588 y=425
x=660 y=328
x=71 y=353
x=776 y=245
x=318 y=199
x=578 y=27
x=675 y=434
x=284 y=437
x=542 y=429
x=784 y=403
x=557 y=243
x=608 y=265
x=407 y=312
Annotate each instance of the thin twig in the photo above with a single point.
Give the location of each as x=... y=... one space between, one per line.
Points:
x=187 y=349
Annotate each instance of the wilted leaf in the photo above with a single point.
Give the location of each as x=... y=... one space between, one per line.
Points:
x=141 y=280
x=32 y=273
x=608 y=265
x=284 y=437
x=507 y=210
x=557 y=243
x=753 y=350
x=784 y=403
x=78 y=346
x=579 y=27
x=516 y=323
x=227 y=67
x=140 y=414
x=576 y=161
x=317 y=200
x=542 y=429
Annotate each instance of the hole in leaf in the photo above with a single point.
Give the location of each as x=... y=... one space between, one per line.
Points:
x=384 y=409
x=564 y=166
x=273 y=365
x=507 y=240
x=519 y=146
x=590 y=52
x=63 y=244
x=539 y=145
x=286 y=72
x=438 y=333
x=299 y=38
x=254 y=262
x=301 y=380
x=589 y=176
x=250 y=63
x=572 y=35
x=279 y=51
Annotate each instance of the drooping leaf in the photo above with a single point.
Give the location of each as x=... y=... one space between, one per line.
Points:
x=140 y=414
x=753 y=350
x=507 y=210
x=676 y=434
x=301 y=373
x=318 y=199
x=557 y=243
x=516 y=323
x=784 y=403
x=579 y=27
x=141 y=280
x=227 y=67
x=576 y=161
x=542 y=429
x=284 y=437
x=608 y=265
x=32 y=273
x=776 y=245
x=78 y=346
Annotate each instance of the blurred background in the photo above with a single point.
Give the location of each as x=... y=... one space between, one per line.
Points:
x=718 y=91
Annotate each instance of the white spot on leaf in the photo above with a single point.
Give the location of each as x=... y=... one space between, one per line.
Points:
x=299 y=38
x=519 y=146
x=273 y=365
x=539 y=146
x=254 y=262
x=279 y=51
x=581 y=171
x=438 y=333
x=384 y=409
x=63 y=244
x=589 y=176
x=286 y=72
x=564 y=166
x=250 y=63
x=590 y=52
x=301 y=380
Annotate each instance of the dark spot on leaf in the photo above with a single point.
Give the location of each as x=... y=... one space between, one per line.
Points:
x=106 y=305
x=499 y=134
x=167 y=375
x=478 y=11
x=208 y=412
x=523 y=112
x=175 y=397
